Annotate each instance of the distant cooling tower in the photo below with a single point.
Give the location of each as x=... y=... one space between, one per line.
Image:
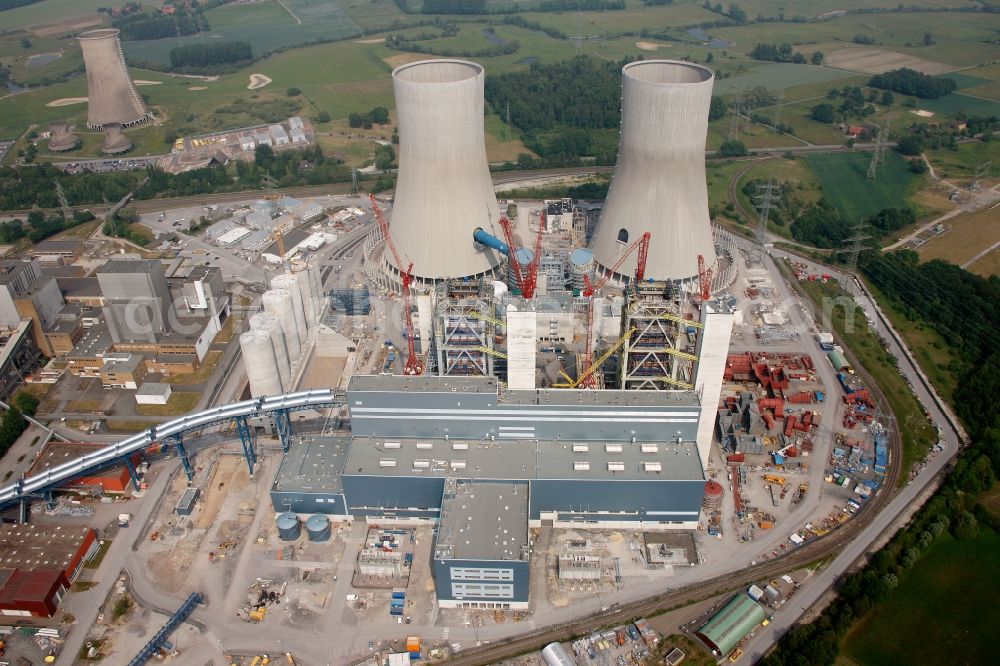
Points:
x=659 y=181
x=443 y=189
x=112 y=95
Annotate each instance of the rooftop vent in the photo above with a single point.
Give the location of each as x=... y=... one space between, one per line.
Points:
x=581 y=466
x=616 y=467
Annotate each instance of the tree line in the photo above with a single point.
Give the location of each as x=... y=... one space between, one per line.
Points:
x=480 y=7
x=41 y=226
x=143 y=26
x=13 y=4
x=961 y=306
x=204 y=56
x=907 y=81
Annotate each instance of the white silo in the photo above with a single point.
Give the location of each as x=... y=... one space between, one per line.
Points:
x=316 y=276
x=260 y=363
x=279 y=303
x=267 y=322
x=659 y=180
x=293 y=286
x=443 y=187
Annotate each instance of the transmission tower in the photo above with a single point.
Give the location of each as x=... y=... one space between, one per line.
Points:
x=763 y=201
x=270 y=183
x=878 y=156
x=734 y=115
x=777 y=112
x=854 y=246
x=61 y=195
x=981 y=172
x=354 y=182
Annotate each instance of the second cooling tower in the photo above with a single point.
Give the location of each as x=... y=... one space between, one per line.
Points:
x=443 y=190
x=112 y=97
x=659 y=180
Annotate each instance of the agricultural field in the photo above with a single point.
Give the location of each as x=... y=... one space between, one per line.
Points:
x=781 y=76
x=940 y=611
x=266 y=26
x=960 y=165
x=846 y=186
x=967 y=235
x=50 y=11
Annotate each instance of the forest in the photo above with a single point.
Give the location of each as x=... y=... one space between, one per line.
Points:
x=137 y=27
x=907 y=81
x=204 y=56
x=775 y=53
x=12 y=4
x=961 y=306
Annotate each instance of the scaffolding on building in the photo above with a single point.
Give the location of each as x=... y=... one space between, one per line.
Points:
x=658 y=354
x=465 y=330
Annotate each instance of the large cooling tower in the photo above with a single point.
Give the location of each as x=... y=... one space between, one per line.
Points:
x=261 y=366
x=267 y=322
x=659 y=181
x=443 y=189
x=279 y=303
x=294 y=286
x=111 y=93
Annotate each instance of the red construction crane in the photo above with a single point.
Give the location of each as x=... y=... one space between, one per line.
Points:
x=413 y=364
x=640 y=269
x=704 y=279
x=526 y=276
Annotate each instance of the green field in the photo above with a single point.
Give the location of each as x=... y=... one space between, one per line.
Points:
x=266 y=26
x=781 y=76
x=940 y=613
x=843 y=177
x=49 y=11
x=962 y=163
x=956 y=102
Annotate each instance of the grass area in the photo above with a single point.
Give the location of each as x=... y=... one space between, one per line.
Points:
x=227 y=331
x=940 y=611
x=968 y=234
x=696 y=653
x=84 y=406
x=102 y=550
x=781 y=76
x=80 y=231
x=782 y=170
x=83 y=586
x=846 y=186
x=211 y=360
x=988 y=265
x=955 y=103
x=961 y=164
x=931 y=350
x=50 y=11
x=177 y=404
x=916 y=431
x=143 y=231
x=991 y=500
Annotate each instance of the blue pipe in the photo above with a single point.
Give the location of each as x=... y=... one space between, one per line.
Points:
x=489 y=240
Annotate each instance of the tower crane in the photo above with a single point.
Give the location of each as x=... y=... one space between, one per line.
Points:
x=527 y=277
x=588 y=379
x=413 y=364
x=704 y=279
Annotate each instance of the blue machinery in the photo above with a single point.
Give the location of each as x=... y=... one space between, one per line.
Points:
x=489 y=240
x=172 y=433
x=160 y=639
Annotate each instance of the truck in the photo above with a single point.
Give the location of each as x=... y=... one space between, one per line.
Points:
x=123 y=519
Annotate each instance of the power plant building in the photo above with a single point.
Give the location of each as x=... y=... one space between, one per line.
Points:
x=659 y=180
x=112 y=97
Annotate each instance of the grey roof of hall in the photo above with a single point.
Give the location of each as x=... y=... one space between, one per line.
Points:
x=79 y=287
x=128 y=266
x=483 y=521
x=522 y=459
x=313 y=466
x=488 y=385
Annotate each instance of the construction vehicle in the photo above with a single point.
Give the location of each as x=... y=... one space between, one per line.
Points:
x=704 y=280
x=776 y=480
x=413 y=364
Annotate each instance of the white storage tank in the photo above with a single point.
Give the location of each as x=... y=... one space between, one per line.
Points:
x=261 y=365
x=279 y=303
x=318 y=527
x=289 y=527
x=554 y=654
x=267 y=322
x=291 y=284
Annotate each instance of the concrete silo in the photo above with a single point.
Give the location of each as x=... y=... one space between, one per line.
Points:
x=294 y=286
x=659 y=180
x=267 y=322
x=443 y=187
x=279 y=303
x=112 y=97
x=260 y=363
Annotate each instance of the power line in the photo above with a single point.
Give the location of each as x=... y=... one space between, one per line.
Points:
x=878 y=156
x=981 y=172
x=854 y=246
x=763 y=201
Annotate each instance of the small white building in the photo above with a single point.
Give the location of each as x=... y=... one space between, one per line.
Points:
x=153 y=393
x=233 y=236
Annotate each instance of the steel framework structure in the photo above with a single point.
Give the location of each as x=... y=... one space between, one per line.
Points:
x=652 y=355
x=463 y=330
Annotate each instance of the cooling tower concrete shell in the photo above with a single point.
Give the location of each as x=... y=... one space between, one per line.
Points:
x=443 y=186
x=267 y=322
x=112 y=97
x=260 y=363
x=316 y=278
x=279 y=303
x=659 y=180
x=294 y=286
